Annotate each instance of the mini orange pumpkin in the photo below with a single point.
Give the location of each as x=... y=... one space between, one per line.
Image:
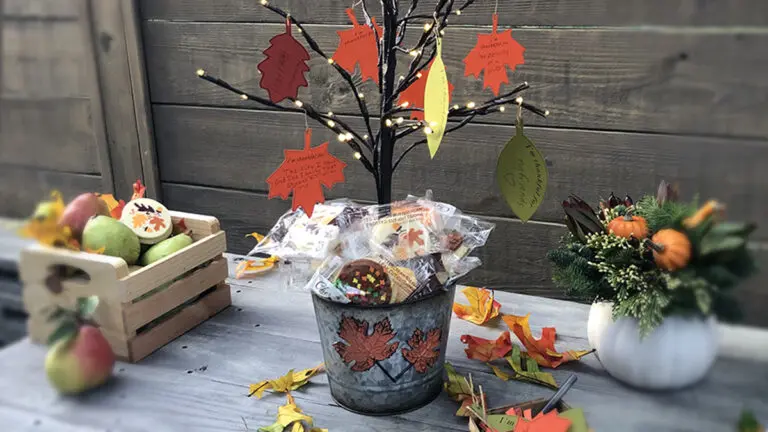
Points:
x=671 y=249
x=629 y=226
x=710 y=208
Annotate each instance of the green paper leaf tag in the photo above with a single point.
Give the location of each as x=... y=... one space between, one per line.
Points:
x=501 y=422
x=521 y=173
x=578 y=421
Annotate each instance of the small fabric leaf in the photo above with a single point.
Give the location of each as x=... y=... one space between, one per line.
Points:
x=482 y=306
x=543 y=349
x=487 y=350
x=286 y=383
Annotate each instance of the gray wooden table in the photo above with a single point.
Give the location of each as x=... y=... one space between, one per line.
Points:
x=199 y=381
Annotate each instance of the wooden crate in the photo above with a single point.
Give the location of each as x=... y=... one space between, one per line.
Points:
x=135 y=320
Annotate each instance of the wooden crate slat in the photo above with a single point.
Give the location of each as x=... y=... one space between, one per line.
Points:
x=102 y=269
x=201 y=226
x=192 y=315
x=137 y=314
x=155 y=274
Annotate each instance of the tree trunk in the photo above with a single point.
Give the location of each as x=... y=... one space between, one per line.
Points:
x=387 y=134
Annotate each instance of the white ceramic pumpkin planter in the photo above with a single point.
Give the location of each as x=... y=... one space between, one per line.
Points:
x=676 y=354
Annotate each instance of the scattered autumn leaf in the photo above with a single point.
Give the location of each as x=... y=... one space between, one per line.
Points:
x=424 y=351
x=482 y=306
x=48 y=232
x=115 y=207
x=524 y=369
x=287 y=415
x=543 y=349
x=256 y=236
x=286 y=383
x=460 y=389
x=139 y=219
x=180 y=226
x=487 y=350
x=364 y=349
x=138 y=190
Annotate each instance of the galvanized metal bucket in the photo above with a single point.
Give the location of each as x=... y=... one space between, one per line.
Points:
x=387 y=359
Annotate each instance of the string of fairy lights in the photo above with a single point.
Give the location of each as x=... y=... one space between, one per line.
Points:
x=394 y=118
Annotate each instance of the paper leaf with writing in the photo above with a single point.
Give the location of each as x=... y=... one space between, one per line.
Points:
x=414 y=93
x=487 y=350
x=493 y=54
x=543 y=349
x=521 y=174
x=288 y=415
x=437 y=99
x=424 y=349
x=304 y=173
x=358 y=45
x=502 y=422
x=283 y=69
x=286 y=383
x=362 y=348
x=482 y=307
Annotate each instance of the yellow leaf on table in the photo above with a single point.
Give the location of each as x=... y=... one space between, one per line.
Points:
x=256 y=236
x=284 y=384
x=289 y=415
x=542 y=350
x=482 y=306
x=250 y=268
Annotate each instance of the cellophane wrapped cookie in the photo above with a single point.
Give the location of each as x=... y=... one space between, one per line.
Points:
x=399 y=252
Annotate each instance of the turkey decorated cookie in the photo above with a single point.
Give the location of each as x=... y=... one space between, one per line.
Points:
x=369 y=279
x=148 y=219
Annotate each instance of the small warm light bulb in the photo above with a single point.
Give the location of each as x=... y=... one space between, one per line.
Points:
x=331 y=123
x=300 y=30
x=330 y=113
x=414 y=53
x=361 y=95
x=419 y=75
x=519 y=101
x=299 y=103
x=427 y=130
x=358 y=155
x=405 y=104
x=471 y=105
x=427 y=27
x=264 y=2
x=458 y=12
x=442 y=32
x=402 y=77
x=502 y=109
x=365 y=136
x=349 y=136
x=400 y=120
x=330 y=61
x=546 y=113
x=388 y=122
x=342 y=137
x=455 y=107
x=200 y=72
x=244 y=97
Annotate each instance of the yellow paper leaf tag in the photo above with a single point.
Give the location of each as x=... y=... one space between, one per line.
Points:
x=521 y=173
x=436 y=101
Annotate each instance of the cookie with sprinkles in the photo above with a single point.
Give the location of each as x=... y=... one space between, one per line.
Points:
x=370 y=279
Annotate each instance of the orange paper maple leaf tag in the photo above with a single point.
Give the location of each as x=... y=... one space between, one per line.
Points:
x=358 y=45
x=413 y=95
x=494 y=53
x=542 y=350
x=304 y=173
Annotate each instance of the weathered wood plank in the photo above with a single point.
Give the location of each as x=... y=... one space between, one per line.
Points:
x=41 y=9
x=22 y=188
x=120 y=116
x=513 y=260
x=511 y=12
x=248 y=147
x=55 y=134
x=702 y=82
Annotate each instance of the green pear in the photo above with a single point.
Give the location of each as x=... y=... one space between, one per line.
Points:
x=165 y=248
x=80 y=362
x=78 y=212
x=117 y=239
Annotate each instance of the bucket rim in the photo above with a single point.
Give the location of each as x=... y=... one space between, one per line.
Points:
x=444 y=291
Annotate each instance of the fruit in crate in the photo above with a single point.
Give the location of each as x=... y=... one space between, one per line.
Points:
x=78 y=212
x=165 y=248
x=79 y=357
x=110 y=237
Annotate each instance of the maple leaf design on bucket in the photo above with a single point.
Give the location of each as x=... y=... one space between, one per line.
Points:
x=364 y=349
x=424 y=350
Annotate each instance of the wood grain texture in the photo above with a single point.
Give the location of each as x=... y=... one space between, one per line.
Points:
x=22 y=188
x=513 y=260
x=199 y=381
x=591 y=164
x=701 y=82
x=14 y=9
x=55 y=134
x=511 y=12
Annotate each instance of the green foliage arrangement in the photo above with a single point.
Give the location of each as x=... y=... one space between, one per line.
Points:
x=685 y=260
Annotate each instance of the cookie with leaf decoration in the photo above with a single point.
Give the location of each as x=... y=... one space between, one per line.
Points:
x=148 y=219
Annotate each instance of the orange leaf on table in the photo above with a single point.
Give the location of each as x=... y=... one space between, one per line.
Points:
x=482 y=307
x=542 y=350
x=138 y=190
x=487 y=350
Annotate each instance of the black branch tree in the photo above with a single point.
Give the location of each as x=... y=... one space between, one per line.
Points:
x=377 y=150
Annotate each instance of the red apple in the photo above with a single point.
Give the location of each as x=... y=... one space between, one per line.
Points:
x=80 y=210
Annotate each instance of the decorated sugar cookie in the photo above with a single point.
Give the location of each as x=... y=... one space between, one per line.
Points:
x=148 y=219
x=370 y=278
